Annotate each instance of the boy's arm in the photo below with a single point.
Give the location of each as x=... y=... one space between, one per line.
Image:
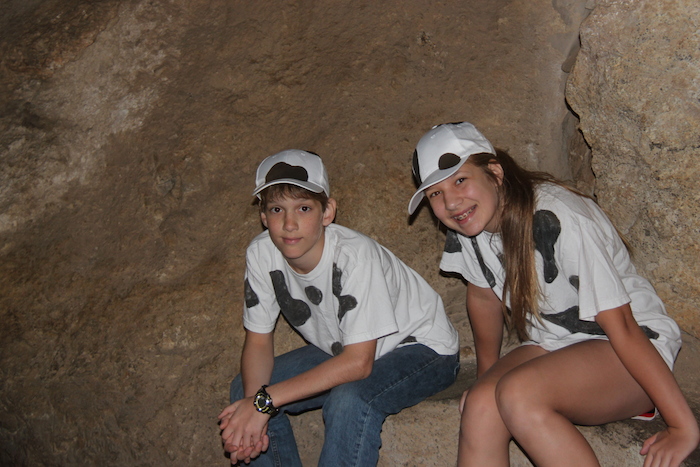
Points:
x=257 y=360
x=486 y=319
x=244 y=427
x=353 y=364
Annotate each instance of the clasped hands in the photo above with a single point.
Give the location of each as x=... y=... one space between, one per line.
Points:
x=243 y=430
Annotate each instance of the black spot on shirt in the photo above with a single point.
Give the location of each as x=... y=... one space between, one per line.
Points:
x=409 y=340
x=570 y=321
x=251 y=298
x=573 y=280
x=314 y=294
x=345 y=302
x=296 y=311
x=452 y=244
x=337 y=348
x=546 y=229
x=488 y=274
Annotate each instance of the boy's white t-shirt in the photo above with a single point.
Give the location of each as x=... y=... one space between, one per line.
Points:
x=359 y=291
x=583 y=268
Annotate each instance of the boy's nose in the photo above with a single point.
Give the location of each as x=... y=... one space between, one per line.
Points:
x=290 y=223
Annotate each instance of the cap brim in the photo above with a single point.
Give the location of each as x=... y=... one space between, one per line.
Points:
x=433 y=178
x=290 y=181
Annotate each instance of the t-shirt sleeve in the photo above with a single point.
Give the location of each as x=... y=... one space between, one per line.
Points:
x=260 y=309
x=589 y=264
x=366 y=299
x=459 y=256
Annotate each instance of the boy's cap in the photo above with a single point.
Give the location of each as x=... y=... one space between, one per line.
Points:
x=441 y=152
x=293 y=166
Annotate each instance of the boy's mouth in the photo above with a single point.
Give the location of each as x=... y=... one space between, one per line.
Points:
x=464 y=215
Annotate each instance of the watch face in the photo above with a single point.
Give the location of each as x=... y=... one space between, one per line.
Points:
x=262 y=403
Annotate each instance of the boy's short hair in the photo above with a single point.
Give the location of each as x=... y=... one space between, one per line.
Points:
x=286 y=190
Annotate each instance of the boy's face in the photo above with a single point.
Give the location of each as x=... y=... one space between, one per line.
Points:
x=296 y=228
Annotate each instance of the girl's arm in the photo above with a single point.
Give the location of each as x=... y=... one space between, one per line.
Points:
x=647 y=367
x=486 y=318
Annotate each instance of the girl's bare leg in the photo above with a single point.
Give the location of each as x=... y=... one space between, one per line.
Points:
x=540 y=399
x=483 y=436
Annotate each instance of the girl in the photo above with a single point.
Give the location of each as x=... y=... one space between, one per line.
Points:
x=597 y=345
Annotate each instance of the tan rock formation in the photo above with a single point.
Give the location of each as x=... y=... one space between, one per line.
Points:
x=636 y=87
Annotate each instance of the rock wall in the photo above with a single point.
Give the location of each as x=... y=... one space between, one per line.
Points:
x=636 y=88
x=129 y=136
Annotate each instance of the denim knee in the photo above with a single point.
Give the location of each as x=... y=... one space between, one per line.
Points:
x=346 y=403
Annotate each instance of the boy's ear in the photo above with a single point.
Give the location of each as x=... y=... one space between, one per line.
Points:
x=263 y=218
x=329 y=213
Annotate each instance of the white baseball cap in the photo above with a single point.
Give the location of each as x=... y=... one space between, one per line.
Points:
x=441 y=152
x=293 y=166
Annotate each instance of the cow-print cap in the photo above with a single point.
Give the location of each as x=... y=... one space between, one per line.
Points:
x=293 y=166
x=441 y=152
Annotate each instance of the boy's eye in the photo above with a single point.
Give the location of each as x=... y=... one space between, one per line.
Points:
x=460 y=180
x=275 y=209
x=433 y=194
x=305 y=208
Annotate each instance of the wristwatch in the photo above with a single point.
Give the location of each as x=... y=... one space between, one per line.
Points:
x=263 y=402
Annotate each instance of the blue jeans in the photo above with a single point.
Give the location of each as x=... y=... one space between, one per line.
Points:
x=354 y=412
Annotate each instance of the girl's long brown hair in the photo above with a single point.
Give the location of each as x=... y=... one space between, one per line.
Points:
x=518 y=201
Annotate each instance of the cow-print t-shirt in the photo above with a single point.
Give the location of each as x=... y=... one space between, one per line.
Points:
x=359 y=291
x=583 y=268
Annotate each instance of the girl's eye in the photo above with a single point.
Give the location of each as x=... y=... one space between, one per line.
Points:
x=433 y=194
x=459 y=180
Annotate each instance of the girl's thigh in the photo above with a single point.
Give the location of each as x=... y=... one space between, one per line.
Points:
x=585 y=382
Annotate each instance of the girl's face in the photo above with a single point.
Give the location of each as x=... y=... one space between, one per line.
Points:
x=468 y=202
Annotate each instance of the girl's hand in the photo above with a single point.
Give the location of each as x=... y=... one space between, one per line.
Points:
x=669 y=447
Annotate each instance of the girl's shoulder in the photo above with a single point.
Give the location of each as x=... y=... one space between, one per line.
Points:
x=572 y=209
x=554 y=197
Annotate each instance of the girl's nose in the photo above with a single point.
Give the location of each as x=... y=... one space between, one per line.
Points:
x=452 y=200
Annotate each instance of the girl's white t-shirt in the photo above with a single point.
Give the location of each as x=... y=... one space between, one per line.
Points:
x=583 y=267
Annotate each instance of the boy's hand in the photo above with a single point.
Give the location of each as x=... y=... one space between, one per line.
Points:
x=244 y=430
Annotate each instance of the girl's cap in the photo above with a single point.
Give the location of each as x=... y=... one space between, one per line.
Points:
x=441 y=152
x=293 y=166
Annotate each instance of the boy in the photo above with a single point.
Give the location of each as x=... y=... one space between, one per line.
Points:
x=378 y=336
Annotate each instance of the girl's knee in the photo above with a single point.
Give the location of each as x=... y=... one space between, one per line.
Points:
x=480 y=403
x=517 y=400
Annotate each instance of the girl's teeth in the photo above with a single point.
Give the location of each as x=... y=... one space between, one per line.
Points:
x=463 y=216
